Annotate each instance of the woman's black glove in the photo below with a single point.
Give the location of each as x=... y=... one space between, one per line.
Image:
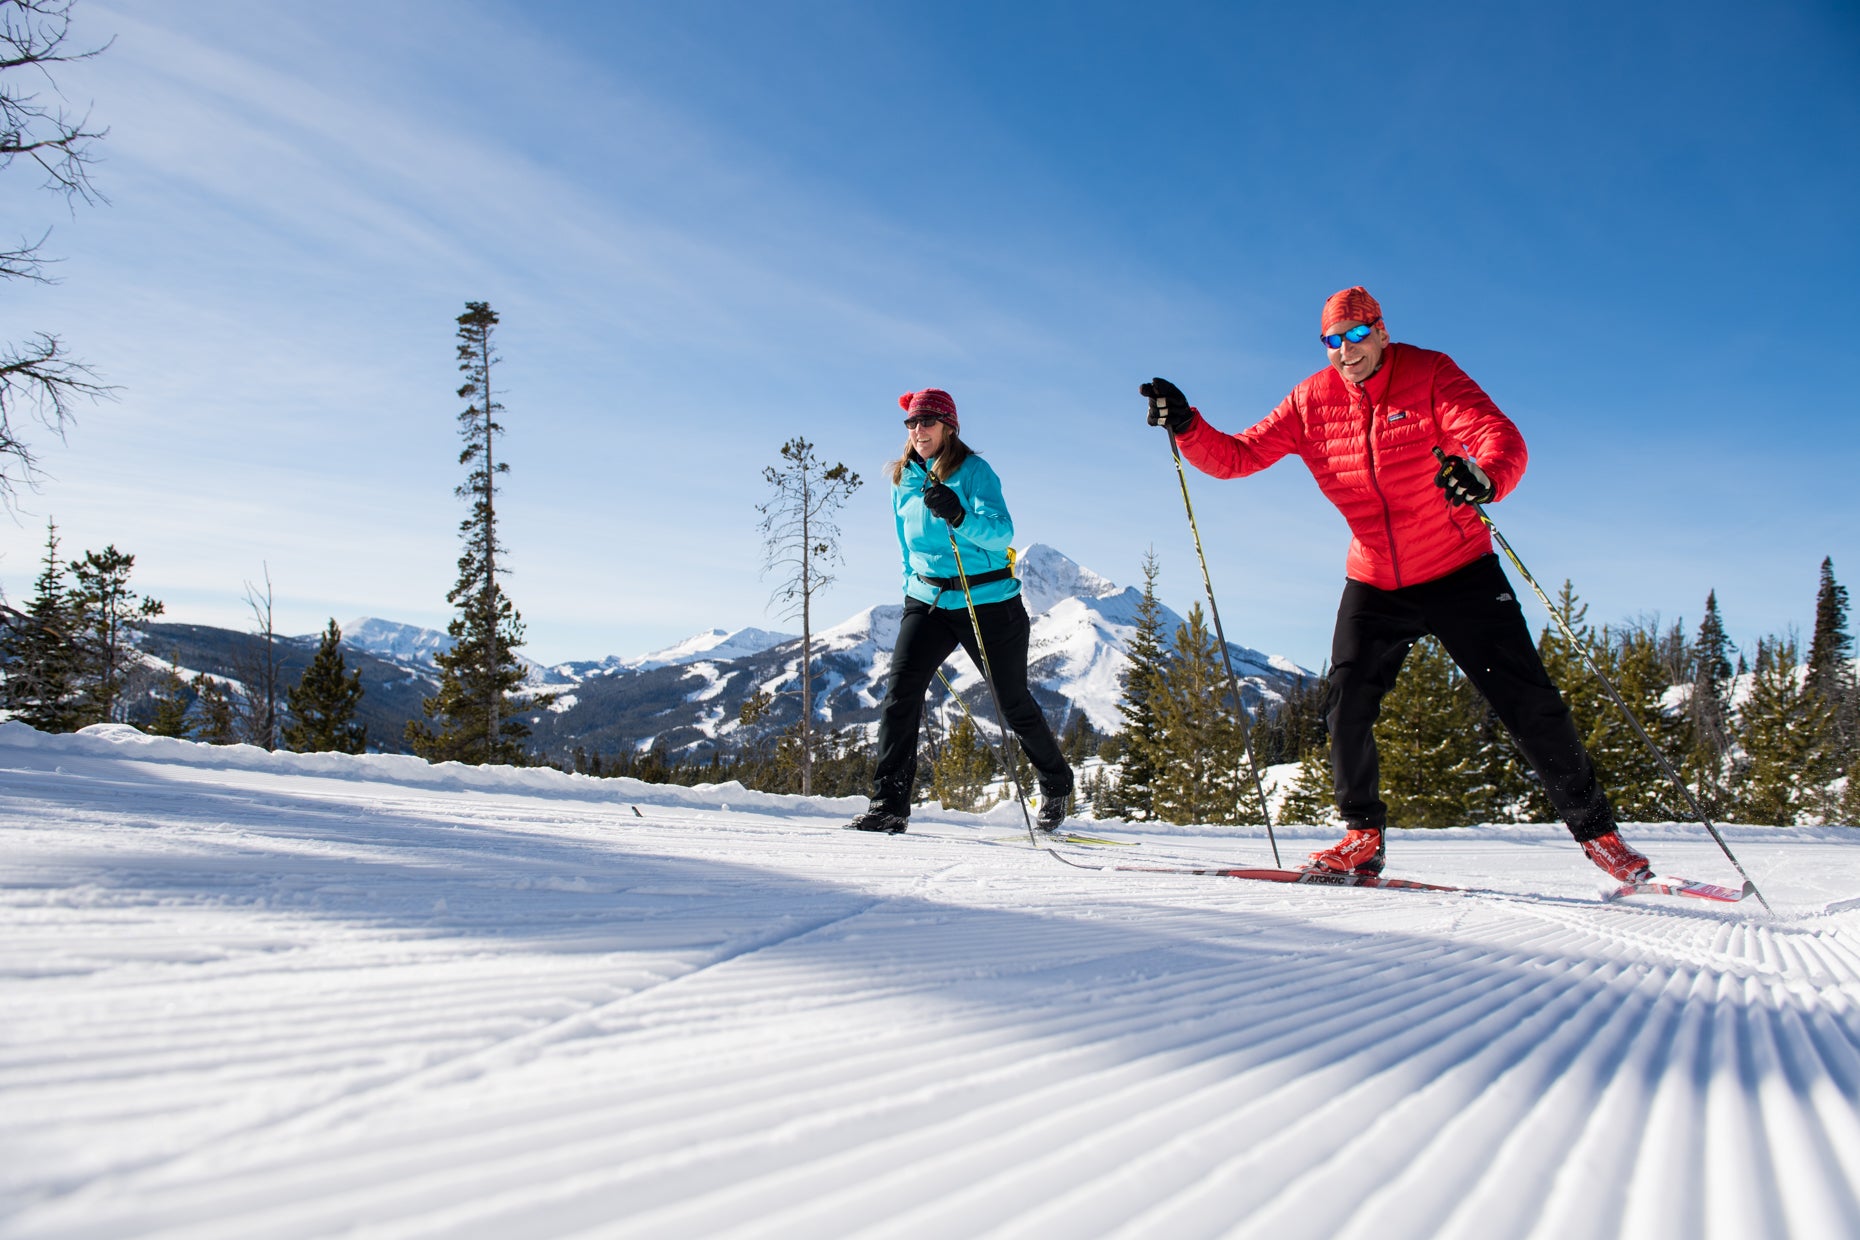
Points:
x=1463 y=481
x=942 y=502
x=1168 y=407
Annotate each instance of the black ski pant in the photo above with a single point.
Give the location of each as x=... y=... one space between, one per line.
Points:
x=1477 y=619
x=928 y=635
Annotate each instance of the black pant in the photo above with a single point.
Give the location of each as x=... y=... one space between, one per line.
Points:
x=926 y=636
x=1477 y=619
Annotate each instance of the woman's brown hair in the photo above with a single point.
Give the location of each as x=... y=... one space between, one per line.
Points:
x=948 y=461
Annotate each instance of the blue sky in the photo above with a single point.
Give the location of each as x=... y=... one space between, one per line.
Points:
x=711 y=227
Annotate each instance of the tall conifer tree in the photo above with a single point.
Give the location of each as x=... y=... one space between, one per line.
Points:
x=477 y=702
x=41 y=651
x=1429 y=773
x=322 y=704
x=1708 y=710
x=108 y=615
x=1201 y=773
x=1141 y=742
x=1783 y=730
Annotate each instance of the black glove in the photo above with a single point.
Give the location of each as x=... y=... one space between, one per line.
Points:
x=1168 y=407
x=1463 y=480
x=942 y=502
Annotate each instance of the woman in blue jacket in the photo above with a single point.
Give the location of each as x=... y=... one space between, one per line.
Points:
x=940 y=488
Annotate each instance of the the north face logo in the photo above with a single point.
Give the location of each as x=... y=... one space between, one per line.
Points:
x=1505 y=597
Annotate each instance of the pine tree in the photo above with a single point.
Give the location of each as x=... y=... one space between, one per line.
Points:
x=1637 y=784
x=322 y=704
x=42 y=686
x=1201 y=774
x=1783 y=730
x=1847 y=812
x=1312 y=798
x=800 y=537
x=213 y=706
x=1830 y=665
x=1830 y=673
x=1708 y=712
x=1429 y=773
x=171 y=700
x=965 y=767
x=477 y=702
x=1140 y=745
x=108 y=614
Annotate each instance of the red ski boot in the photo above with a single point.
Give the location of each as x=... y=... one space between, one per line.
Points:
x=1359 y=852
x=1618 y=858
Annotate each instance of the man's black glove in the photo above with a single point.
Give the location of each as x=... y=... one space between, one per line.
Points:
x=1463 y=481
x=942 y=502
x=1168 y=407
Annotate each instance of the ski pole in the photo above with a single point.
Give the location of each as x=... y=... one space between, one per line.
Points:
x=1582 y=648
x=1233 y=681
x=989 y=676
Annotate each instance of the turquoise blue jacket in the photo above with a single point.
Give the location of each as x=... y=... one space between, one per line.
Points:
x=983 y=537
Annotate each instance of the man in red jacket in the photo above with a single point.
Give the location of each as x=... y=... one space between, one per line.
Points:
x=1420 y=561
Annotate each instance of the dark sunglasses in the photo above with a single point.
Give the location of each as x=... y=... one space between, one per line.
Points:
x=921 y=420
x=1355 y=335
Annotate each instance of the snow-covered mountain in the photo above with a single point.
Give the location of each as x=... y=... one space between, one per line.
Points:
x=710 y=644
x=687 y=698
x=1083 y=624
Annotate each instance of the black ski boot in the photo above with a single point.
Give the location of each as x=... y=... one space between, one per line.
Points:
x=879 y=820
x=1052 y=811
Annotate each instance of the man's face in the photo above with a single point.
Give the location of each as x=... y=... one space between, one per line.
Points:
x=1356 y=360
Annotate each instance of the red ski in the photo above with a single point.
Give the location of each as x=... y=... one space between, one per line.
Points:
x=1683 y=887
x=1317 y=878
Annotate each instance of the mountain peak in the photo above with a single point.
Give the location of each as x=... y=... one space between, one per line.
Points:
x=1047 y=576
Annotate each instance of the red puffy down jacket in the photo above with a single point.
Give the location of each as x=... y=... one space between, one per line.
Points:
x=1371 y=449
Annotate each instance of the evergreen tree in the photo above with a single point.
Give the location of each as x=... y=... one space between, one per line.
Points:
x=1783 y=730
x=1847 y=811
x=1830 y=665
x=1636 y=782
x=477 y=702
x=170 y=701
x=1312 y=798
x=1140 y=746
x=1708 y=710
x=800 y=537
x=1201 y=773
x=108 y=614
x=43 y=673
x=1429 y=773
x=216 y=721
x=965 y=767
x=322 y=704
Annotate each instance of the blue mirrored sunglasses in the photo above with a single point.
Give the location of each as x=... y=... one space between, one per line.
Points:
x=1355 y=335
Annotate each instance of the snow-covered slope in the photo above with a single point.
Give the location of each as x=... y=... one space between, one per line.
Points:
x=250 y=994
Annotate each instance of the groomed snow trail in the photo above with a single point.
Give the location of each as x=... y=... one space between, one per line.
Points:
x=273 y=995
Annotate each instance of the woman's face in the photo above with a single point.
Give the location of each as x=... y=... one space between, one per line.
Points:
x=927 y=436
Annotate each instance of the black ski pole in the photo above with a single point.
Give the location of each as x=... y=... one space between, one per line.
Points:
x=1620 y=703
x=988 y=677
x=1246 y=718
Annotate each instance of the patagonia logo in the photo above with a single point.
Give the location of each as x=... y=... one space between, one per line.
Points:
x=1397 y=416
x=1506 y=597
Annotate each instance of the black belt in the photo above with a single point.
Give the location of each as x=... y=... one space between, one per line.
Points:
x=955 y=583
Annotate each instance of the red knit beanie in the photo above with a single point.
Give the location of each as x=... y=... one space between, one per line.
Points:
x=931 y=402
x=1349 y=305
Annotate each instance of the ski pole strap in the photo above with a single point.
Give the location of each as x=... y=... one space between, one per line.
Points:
x=955 y=583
